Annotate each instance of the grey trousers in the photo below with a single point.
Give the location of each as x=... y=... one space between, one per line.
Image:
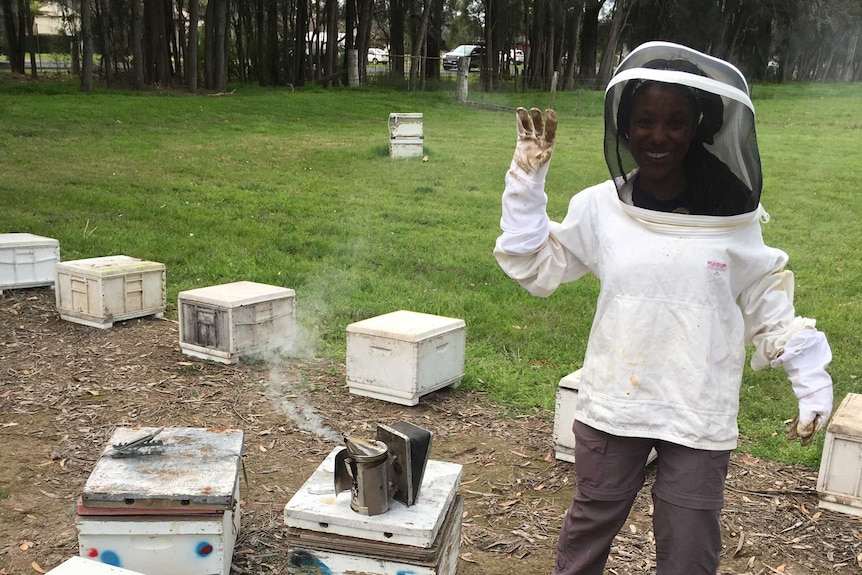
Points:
x=688 y=495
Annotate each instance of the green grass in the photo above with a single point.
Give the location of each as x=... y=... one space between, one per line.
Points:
x=297 y=189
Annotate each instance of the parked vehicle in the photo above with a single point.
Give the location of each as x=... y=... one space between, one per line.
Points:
x=475 y=52
x=378 y=56
x=517 y=56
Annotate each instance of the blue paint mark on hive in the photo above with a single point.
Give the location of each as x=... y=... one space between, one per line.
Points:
x=110 y=558
x=305 y=563
x=203 y=549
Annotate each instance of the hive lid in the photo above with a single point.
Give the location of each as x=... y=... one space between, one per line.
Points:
x=406 y=325
x=16 y=239
x=316 y=507
x=848 y=416
x=197 y=468
x=236 y=294
x=82 y=566
x=110 y=265
x=572 y=381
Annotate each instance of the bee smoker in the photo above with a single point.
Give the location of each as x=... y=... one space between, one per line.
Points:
x=389 y=467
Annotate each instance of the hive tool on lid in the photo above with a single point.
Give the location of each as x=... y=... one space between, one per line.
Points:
x=390 y=466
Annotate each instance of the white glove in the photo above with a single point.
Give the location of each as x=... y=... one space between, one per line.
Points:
x=525 y=221
x=805 y=358
x=535 y=141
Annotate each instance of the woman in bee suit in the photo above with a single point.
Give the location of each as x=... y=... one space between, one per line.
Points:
x=686 y=284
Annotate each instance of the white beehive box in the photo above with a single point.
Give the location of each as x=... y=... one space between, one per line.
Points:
x=167 y=513
x=229 y=322
x=406 y=136
x=27 y=260
x=564 y=418
x=100 y=291
x=403 y=355
x=839 y=482
x=326 y=536
x=81 y=566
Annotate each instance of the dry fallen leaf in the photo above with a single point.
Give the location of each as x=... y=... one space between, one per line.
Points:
x=36 y=567
x=24 y=545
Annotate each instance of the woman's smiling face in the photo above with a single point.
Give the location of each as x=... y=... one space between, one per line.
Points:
x=662 y=126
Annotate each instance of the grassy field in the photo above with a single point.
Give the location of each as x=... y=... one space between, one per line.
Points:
x=296 y=188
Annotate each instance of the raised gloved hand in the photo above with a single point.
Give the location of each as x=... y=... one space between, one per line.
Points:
x=535 y=141
x=525 y=220
x=805 y=358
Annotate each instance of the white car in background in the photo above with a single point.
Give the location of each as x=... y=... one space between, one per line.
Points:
x=378 y=56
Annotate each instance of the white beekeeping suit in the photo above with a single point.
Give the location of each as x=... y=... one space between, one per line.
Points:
x=682 y=294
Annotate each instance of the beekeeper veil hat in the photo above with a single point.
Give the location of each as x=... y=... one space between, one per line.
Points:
x=727 y=176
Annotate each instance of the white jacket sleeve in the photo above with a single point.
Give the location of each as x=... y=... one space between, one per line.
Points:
x=767 y=308
x=538 y=253
x=525 y=221
x=805 y=357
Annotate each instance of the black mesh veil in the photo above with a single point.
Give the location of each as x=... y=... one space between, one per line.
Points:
x=723 y=159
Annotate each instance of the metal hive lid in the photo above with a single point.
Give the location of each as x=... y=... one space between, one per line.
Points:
x=198 y=469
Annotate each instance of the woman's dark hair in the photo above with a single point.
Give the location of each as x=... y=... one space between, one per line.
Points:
x=716 y=190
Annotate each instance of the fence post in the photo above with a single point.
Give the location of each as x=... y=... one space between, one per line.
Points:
x=461 y=78
x=553 y=89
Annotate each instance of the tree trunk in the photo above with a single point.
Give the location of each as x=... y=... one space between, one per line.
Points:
x=434 y=40
x=102 y=17
x=30 y=20
x=137 y=44
x=14 y=24
x=418 y=43
x=192 y=51
x=87 y=37
x=215 y=42
x=300 y=43
x=260 y=42
x=349 y=38
x=606 y=68
x=272 y=50
x=181 y=49
x=589 y=43
x=397 y=13
x=330 y=63
x=570 y=45
x=364 y=16
x=851 y=56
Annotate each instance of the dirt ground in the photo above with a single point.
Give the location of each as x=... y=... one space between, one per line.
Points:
x=65 y=387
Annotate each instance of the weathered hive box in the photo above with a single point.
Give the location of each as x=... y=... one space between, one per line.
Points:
x=27 y=260
x=839 y=481
x=403 y=355
x=100 y=291
x=229 y=322
x=406 y=137
x=164 y=513
x=564 y=418
x=81 y=566
x=326 y=537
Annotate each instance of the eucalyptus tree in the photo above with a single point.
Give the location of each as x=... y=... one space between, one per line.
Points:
x=14 y=13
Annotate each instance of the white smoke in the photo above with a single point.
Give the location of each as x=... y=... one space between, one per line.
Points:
x=285 y=393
